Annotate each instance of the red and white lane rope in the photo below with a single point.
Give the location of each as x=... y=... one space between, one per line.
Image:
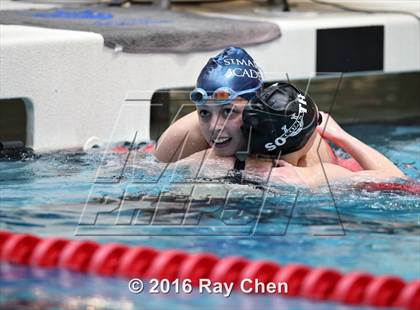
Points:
x=113 y=259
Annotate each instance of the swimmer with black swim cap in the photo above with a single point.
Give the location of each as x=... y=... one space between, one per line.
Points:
x=281 y=120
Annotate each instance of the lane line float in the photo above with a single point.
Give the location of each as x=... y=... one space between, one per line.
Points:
x=114 y=259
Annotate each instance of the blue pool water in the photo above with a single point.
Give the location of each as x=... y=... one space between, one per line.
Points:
x=348 y=228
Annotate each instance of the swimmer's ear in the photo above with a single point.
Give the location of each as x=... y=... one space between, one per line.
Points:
x=319 y=118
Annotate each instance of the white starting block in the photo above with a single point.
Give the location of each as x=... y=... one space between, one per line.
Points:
x=78 y=93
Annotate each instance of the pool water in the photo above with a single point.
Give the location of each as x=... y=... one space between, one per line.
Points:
x=348 y=228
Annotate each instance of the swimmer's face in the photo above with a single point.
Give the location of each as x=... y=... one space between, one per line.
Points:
x=221 y=126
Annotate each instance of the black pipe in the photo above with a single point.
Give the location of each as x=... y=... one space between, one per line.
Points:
x=284 y=3
x=15 y=150
x=7 y=145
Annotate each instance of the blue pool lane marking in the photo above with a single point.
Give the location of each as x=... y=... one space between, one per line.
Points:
x=66 y=14
x=100 y=18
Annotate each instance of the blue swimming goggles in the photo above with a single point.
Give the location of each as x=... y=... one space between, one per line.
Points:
x=222 y=95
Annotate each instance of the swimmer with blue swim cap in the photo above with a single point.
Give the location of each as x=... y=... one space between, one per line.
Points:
x=236 y=116
x=224 y=86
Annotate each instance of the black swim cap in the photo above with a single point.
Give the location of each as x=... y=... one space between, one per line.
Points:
x=279 y=120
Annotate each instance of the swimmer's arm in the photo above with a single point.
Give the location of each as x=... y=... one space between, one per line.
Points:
x=182 y=139
x=319 y=175
x=367 y=157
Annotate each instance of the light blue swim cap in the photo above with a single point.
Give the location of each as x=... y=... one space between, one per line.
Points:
x=232 y=68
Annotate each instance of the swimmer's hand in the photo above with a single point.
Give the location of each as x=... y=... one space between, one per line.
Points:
x=330 y=130
x=375 y=163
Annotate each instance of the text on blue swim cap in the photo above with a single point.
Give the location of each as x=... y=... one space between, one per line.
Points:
x=238 y=72
x=239 y=62
x=241 y=72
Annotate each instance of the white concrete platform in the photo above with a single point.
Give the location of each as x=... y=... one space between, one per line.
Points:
x=76 y=90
